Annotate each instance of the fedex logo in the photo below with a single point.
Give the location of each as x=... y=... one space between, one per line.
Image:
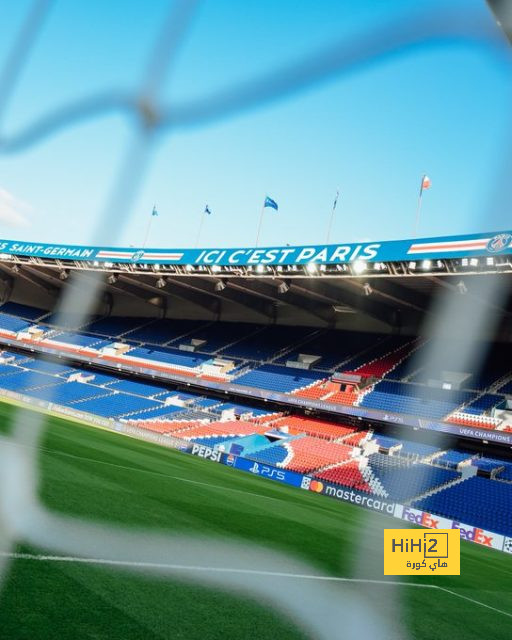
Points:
x=475 y=534
x=421 y=518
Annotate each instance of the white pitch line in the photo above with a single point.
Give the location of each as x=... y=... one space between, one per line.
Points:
x=185 y=567
x=258 y=572
x=143 y=471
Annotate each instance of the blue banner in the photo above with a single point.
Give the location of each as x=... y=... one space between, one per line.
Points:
x=263 y=470
x=475 y=245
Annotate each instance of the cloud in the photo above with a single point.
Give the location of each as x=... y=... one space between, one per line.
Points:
x=13 y=211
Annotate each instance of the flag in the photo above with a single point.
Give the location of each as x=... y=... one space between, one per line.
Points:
x=207 y=210
x=154 y=212
x=270 y=203
x=425 y=183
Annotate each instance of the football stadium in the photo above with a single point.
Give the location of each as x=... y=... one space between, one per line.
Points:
x=210 y=439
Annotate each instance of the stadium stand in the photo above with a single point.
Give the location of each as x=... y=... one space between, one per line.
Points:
x=347 y=474
x=277 y=378
x=402 y=480
x=478 y=501
x=415 y=399
x=468 y=487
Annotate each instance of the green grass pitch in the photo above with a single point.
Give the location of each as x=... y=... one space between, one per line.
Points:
x=106 y=477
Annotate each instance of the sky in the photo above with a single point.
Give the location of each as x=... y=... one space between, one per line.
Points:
x=441 y=108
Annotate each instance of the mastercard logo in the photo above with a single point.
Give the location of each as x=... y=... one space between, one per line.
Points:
x=316 y=486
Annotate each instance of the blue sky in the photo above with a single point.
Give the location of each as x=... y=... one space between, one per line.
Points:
x=443 y=109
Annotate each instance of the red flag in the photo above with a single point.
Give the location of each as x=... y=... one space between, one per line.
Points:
x=425 y=183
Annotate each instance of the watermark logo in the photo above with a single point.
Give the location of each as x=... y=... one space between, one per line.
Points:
x=419 y=552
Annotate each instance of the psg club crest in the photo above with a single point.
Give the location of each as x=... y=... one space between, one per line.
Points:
x=499 y=243
x=137 y=256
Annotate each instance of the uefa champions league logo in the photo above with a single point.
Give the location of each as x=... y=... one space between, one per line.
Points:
x=499 y=243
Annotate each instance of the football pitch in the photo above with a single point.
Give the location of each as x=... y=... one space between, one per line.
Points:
x=105 y=477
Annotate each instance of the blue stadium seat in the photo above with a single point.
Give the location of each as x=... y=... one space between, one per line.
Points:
x=277 y=378
x=477 y=501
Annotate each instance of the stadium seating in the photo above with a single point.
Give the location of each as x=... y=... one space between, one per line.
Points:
x=80 y=339
x=23 y=311
x=233 y=429
x=162 y=331
x=274 y=455
x=415 y=399
x=484 y=403
x=402 y=480
x=169 y=356
x=12 y=323
x=382 y=365
x=74 y=394
x=334 y=347
x=276 y=378
x=115 y=405
x=313 y=427
x=309 y=453
x=452 y=458
x=347 y=474
x=267 y=343
x=477 y=501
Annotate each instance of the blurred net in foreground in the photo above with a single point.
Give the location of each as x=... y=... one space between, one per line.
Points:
x=321 y=607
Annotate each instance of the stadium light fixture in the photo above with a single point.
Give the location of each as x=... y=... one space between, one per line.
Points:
x=426 y=265
x=412 y=266
x=215 y=268
x=474 y=262
x=465 y=262
x=359 y=266
x=311 y=267
x=189 y=267
x=490 y=261
x=260 y=268
x=220 y=286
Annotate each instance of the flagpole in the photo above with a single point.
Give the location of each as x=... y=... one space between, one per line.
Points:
x=331 y=220
x=201 y=222
x=418 y=208
x=259 y=224
x=148 y=228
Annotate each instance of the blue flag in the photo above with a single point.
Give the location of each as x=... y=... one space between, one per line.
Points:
x=154 y=212
x=270 y=203
x=207 y=210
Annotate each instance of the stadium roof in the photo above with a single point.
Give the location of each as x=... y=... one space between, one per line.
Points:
x=391 y=282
